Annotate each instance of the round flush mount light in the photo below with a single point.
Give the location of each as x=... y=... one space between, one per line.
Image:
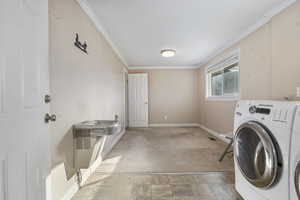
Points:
x=167 y=53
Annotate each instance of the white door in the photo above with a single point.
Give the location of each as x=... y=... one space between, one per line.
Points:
x=24 y=142
x=138 y=100
x=126 y=118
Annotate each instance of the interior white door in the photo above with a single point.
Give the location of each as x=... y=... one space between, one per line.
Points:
x=24 y=144
x=138 y=100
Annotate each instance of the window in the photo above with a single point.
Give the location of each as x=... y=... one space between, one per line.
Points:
x=222 y=79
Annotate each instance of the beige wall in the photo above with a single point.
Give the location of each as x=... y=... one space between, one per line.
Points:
x=174 y=93
x=91 y=86
x=269 y=68
x=84 y=87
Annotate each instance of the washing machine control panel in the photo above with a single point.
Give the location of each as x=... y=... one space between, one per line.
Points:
x=280 y=115
x=260 y=110
x=252 y=109
x=279 y=112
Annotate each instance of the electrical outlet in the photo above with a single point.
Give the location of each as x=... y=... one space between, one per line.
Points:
x=165 y=117
x=298 y=92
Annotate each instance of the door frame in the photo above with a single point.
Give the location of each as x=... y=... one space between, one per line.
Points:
x=126 y=116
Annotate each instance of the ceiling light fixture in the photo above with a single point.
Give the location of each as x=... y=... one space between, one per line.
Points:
x=167 y=53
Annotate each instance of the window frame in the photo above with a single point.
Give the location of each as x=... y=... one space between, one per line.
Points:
x=232 y=59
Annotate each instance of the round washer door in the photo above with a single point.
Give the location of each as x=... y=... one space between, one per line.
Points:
x=255 y=154
x=297 y=180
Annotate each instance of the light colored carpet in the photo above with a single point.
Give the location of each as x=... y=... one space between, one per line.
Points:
x=166 y=150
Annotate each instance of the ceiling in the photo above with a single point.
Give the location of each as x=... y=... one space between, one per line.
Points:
x=197 y=29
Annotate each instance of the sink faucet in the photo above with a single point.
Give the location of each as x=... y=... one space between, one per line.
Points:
x=116 y=118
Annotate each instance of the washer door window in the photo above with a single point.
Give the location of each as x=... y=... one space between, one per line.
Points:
x=297 y=179
x=255 y=154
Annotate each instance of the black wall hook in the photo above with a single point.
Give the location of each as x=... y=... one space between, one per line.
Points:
x=78 y=44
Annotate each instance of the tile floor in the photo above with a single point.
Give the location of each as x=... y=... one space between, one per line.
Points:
x=163 y=164
x=129 y=186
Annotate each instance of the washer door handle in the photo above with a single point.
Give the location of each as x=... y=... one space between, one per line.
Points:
x=259 y=149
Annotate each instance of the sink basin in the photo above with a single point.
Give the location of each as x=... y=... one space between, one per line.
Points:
x=96 y=128
x=89 y=138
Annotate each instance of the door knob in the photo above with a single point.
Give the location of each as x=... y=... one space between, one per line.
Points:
x=49 y=118
x=47 y=98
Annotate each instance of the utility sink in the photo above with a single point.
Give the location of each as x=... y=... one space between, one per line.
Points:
x=89 y=138
x=96 y=128
x=86 y=134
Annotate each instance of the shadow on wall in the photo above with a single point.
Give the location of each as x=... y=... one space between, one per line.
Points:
x=65 y=154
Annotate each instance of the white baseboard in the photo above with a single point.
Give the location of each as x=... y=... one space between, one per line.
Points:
x=212 y=132
x=88 y=172
x=215 y=134
x=175 y=125
x=49 y=186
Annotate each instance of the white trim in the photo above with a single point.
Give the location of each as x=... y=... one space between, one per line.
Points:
x=266 y=18
x=48 y=185
x=139 y=74
x=125 y=69
x=125 y=93
x=132 y=99
x=279 y=8
x=88 y=172
x=175 y=125
x=231 y=58
x=178 y=173
x=230 y=55
x=161 y=67
x=222 y=98
x=220 y=136
x=91 y=14
x=215 y=134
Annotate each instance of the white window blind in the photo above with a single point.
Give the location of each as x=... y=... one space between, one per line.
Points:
x=222 y=78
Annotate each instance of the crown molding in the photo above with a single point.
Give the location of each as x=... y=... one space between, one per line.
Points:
x=266 y=18
x=161 y=67
x=125 y=69
x=84 y=4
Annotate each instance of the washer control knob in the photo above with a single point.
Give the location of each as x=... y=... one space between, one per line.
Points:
x=252 y=109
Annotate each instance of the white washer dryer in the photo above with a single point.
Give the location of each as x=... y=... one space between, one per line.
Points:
x=295 y=159
x=262 y=137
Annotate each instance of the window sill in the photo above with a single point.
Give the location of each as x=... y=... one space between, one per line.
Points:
x=222 y=98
